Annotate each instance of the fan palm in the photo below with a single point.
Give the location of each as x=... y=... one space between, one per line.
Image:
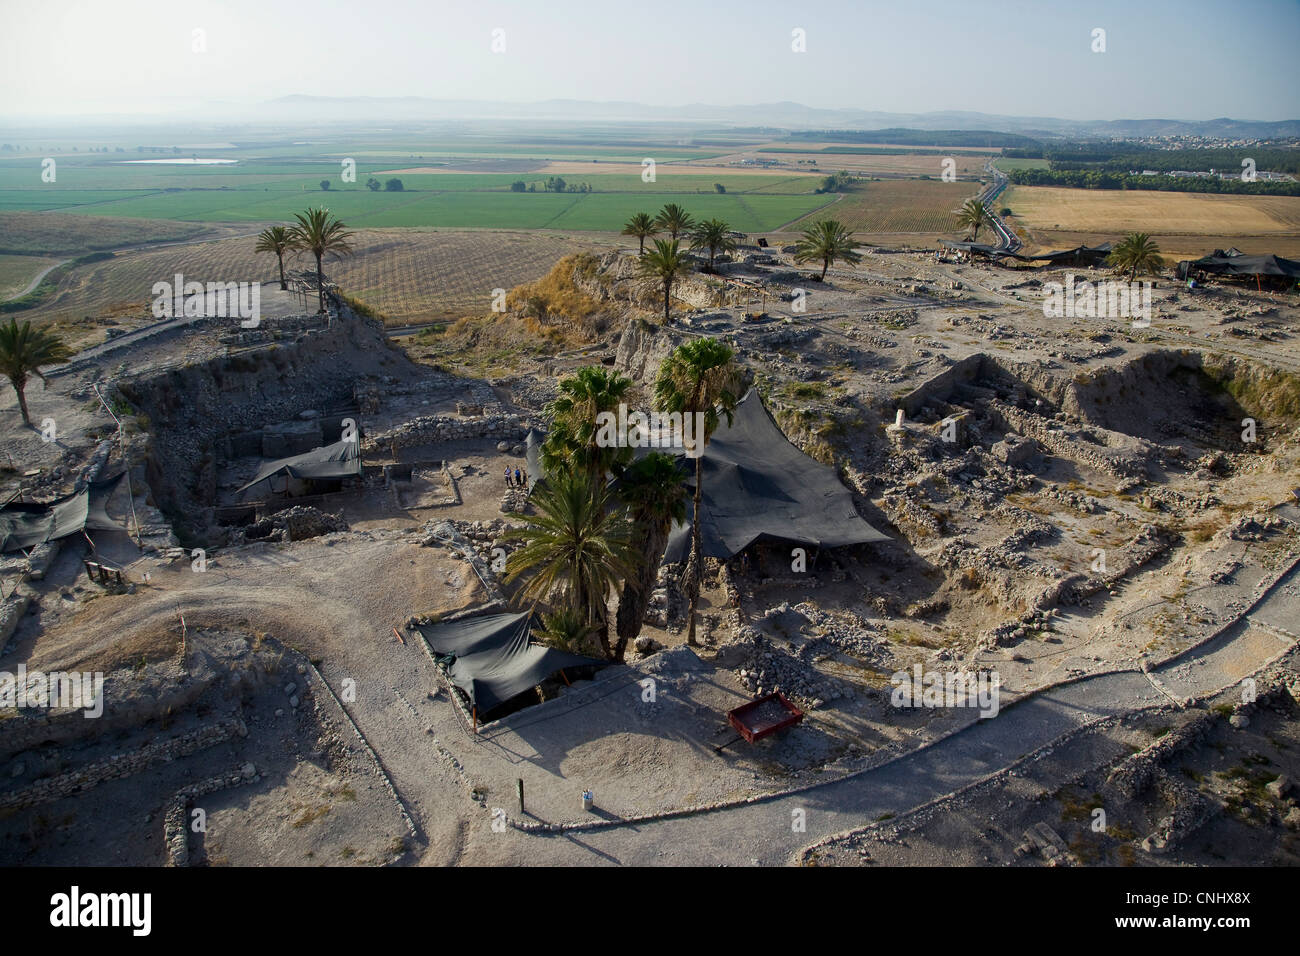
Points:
x=652 y=489
x=577 y=545
x=320 y=234
x=698 y=376
x=23 y=350
x=973 y=215
x=674 y=220
x=826 y=242
x=1136 y=252
x=571 y=441
x=712 y=234
x=641 y=226
x=276 y=239
x=665 y=263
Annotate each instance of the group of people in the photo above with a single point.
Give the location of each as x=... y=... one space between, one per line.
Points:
x=516 y=478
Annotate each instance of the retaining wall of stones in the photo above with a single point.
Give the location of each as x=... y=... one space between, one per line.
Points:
x=122 y=765
x=176 y=822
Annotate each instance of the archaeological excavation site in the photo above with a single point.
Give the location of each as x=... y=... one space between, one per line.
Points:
x=318 y=592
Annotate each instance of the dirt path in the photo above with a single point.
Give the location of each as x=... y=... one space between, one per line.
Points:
x=37 y=281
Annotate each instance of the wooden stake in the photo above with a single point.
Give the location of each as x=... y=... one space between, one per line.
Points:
x=399 y=635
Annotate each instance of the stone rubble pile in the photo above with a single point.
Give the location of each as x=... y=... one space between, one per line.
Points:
x=433 y=429
x=293 y=524
x=767 y=669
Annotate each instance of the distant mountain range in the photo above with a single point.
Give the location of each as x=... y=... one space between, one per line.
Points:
x=784 y=115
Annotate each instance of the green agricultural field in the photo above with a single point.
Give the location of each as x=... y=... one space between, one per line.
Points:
x=273 y=188
x=577 y=211
x=1007 y=165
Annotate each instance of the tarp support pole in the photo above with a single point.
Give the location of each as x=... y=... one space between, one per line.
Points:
x=475 y=720
x=566 y=678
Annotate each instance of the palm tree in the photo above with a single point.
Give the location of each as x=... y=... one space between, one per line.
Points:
x=23 y=350
x=1135 y=253
x=276 y=239
x=712 y=234
x=826 y=242
x=577 y=545
x=571 y=442
x=698 y=376
x=674 y=220
x=973 y=215
x=320 y=234
x=666 y=263
x=641 y=226
x=653 y=491
x=567 y=630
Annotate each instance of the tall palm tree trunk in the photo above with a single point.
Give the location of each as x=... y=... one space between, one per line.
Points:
x=826 y=264
x=668 y=291
x=602 y=633
x=284 y=287
x=320 y=283
x=20 y=384
x=635 y=598
x=693 y=565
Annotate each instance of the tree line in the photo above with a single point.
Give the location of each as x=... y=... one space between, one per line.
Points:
x=1099 y=179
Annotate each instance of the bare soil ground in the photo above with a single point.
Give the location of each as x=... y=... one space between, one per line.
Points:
x=1136 y=450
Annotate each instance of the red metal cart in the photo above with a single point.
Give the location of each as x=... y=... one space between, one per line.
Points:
x=764 y=716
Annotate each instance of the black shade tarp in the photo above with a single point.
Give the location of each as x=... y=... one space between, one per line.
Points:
x=978 y=248
x=758 y=486
x=339 y=460
x=494 y=660
x=1234 y=263
x=24 y=525
x=1078 y=256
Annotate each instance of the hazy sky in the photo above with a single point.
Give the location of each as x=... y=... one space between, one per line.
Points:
x=1183 y=59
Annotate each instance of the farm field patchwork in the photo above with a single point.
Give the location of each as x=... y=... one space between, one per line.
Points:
x=872 y=164
x=590 y=211
x=275 y=191
x=899 y=206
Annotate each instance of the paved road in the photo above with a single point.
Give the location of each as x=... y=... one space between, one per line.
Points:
x=762 y=833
